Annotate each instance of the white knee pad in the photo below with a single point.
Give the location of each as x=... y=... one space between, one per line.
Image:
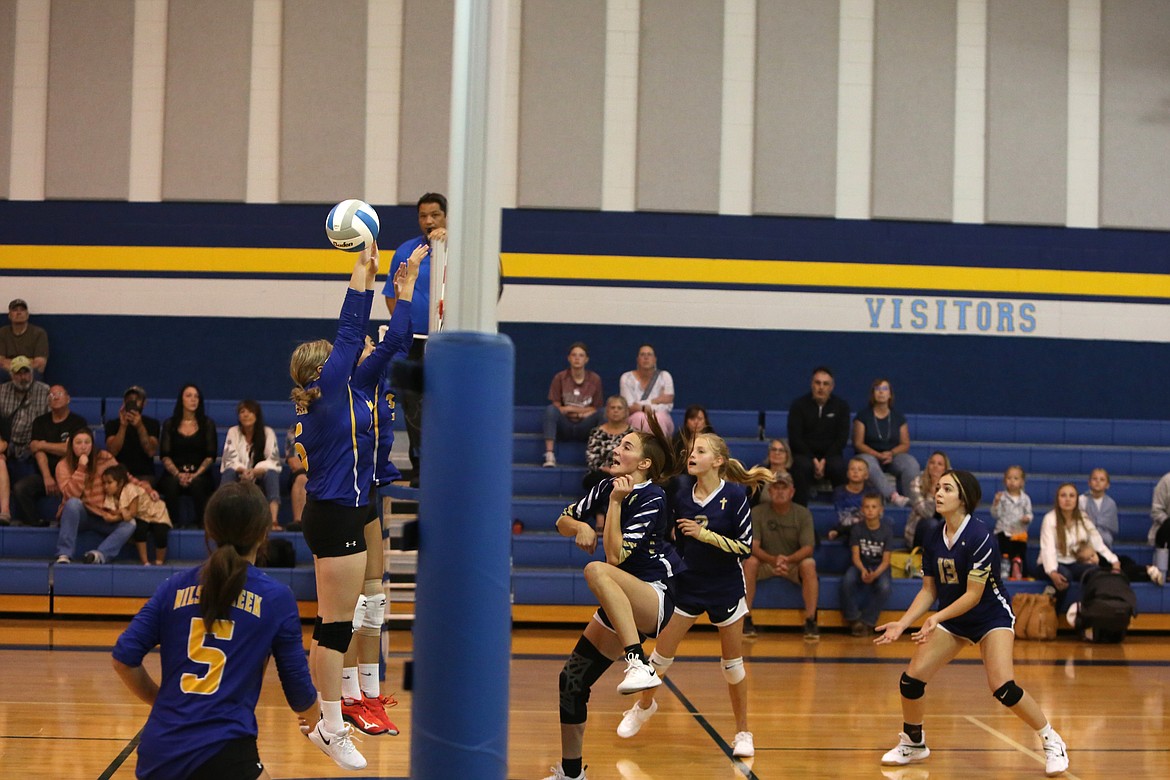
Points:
x=375 y=612
x=659 y=663
x=359 y=611
x=733 y=670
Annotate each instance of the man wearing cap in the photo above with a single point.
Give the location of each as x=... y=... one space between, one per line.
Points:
x=22 y=399
x=133 y=437
x=782 y=545
x=21 y=338
x=49 y=438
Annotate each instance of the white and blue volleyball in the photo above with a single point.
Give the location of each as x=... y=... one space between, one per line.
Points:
x=352 y=225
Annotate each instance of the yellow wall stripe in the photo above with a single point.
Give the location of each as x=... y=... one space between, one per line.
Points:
x=795 y=273
x=219 y=260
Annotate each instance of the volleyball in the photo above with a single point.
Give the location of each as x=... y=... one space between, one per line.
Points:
x=352 y=225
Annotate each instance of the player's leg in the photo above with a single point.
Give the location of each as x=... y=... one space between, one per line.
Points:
x=631 y=604
x=928 y=658
x=663 y=656
x=595 y=652
x=731 y=664
x=369 y=634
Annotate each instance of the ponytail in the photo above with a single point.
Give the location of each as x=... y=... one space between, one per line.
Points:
x=221 y=581
x=236 y=520
x=665 y=462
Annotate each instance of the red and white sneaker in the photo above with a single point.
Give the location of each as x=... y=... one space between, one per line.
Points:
x=376 y=707
x=355 y=711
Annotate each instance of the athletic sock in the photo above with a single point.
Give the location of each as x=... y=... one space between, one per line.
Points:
x=571 y=767
x=1045 y=732
x=914 y=732
x=349 y=684
x=331 y=714
x=637 y=651
x=368 y=676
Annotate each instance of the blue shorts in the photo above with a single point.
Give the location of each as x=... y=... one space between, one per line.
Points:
x=723 y=615
x=974 y=632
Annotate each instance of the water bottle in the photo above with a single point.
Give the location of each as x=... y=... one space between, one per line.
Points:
x=1005 y=568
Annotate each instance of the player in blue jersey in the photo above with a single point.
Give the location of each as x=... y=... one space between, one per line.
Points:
x=960 y=567
x=632 y=584
x=713 y=515
x=335 y=439
x=216 y=624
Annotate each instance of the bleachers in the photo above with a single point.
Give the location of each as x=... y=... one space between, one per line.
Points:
x=547 y=569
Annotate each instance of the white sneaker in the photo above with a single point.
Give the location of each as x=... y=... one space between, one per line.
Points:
x=1055 y=755
x=339 y=747
x=62 y=559
x=1155 y=575
x=906 y=751
x=550 y=460
x=897 y=499
x=634 y=718
x=639 y=676
x=559 y=774
x=743 y=746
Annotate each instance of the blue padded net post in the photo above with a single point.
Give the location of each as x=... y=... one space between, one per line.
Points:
x=462 y=626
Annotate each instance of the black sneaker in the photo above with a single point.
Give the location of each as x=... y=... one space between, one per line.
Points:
x=749 y=628
x=811 y=632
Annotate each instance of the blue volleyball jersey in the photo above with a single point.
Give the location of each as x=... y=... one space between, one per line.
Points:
x=420 y=302
x=714 y=569
x=369 y=381
x=644 y=519
x=211 y=681
x=385 y=410
x=974 y=555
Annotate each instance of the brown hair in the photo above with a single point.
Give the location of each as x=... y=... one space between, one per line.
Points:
x=1063 y=524
x=304 y=367
x=236 y=520
x=881 y=380
x=969 y=490
x=664 y=461
x=71 y=458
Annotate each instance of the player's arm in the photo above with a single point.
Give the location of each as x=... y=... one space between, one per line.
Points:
x=976 y=582
x=138 y=681
x=922 y=603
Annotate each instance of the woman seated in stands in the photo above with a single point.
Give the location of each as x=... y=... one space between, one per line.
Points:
x=779 y=458
x=250 y=454
x=1062 y=531
x=695 y=421
x=922 y=520
x=648 y=391
x=881 y=438
x=79 y=475
x=187 y=451
x=602 y=440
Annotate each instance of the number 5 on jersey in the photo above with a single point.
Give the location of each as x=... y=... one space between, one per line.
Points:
x=200 y=653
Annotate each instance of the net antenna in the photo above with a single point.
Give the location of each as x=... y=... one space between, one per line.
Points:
x=438 y=283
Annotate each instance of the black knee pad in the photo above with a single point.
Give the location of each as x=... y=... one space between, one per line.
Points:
x=585 y=666
x=335 y=636
x=911 y=688
x=1009 y=694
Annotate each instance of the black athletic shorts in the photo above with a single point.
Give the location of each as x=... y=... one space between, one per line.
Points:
x=332 y=530
x=236 y=760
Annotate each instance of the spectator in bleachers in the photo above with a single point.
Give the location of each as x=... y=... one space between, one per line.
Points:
x=818 y=430
x=603 y=439
x=22 y=400
x=881 y=437
x=1012 y=510
x=138 y=502
x=79 y=473
x=574 y=403
x=1062 y=531
x=188 y=449
x=1099 y=507
x=778 y=458
x=50 y=432
x=922 y=520
x=648 y=390
x=5 y=487
x=1133 y=571
x=20 y=338
x=298 y=478
x=783 y=539
x=847 y=498
x=695 y=421
x=133 y=437
x=869 y=572
x=1159 y=535
x=251 y=454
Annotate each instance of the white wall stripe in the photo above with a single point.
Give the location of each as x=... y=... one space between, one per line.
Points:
x=383 y=98
x=509 y=153
x=30 y=101
x=738 y=116
x=1084 y=114
x=620 y=129
x=147 y=100
x=970 y=111
x=855 y=110
x=264 y=107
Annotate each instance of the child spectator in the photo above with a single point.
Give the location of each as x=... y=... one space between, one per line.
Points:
x=869 y=542
x=1012 y=510
x=847 y=497
x=126 y=501
x=1133 y=571
x=1099 y=507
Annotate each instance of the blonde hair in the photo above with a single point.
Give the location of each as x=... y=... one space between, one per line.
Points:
x=755 y=477
x=862 y=462
x=925 y=486
x=304 y=367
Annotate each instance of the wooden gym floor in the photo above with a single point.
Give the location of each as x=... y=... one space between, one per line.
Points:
x=823 y=710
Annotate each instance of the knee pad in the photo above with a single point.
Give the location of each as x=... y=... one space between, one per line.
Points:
x=660 y=663
x=1009 y=694
x=334 y=636
x=359 y=611
x=733 y=670
x=375 y=615
x=911 y=688
x=585 y=666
